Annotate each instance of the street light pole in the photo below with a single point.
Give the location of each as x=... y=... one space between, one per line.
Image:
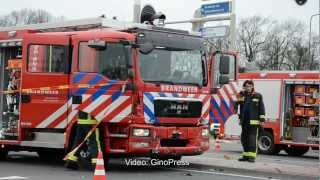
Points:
x=310 y=26
x=136 y=11
x=233 y=31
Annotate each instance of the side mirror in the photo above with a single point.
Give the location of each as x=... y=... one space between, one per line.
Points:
x=146 y=48
x=224 y=67
x=97 y=44
x=223 y=79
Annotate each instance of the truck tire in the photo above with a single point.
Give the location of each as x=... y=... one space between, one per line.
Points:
x=106 y=160
x=3 y=155
x=266 y=143
x=296 y=151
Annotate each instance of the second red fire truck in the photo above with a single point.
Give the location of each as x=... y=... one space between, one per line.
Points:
x=292 y=110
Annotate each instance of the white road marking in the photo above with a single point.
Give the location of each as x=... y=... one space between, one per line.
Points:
x=13 y=177
x=223 y=174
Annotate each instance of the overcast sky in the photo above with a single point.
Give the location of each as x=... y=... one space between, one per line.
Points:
x=174 y=9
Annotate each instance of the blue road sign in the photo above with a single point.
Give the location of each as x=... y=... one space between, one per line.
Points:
x=216 y=8
x=215 y=32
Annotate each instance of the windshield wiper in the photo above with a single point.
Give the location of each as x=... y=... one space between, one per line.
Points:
x=177 y=83
x=189 y=83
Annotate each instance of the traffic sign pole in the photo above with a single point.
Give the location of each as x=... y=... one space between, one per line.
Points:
x=233 y=32
x=198 y=22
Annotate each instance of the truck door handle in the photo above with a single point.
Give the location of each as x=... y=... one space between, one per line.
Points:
x=25 y=98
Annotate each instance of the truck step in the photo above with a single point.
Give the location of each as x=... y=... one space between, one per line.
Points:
x=117 y=150
x=118 y=135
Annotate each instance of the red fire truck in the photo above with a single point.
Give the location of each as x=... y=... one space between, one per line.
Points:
x=292 y=111
x=147 y=85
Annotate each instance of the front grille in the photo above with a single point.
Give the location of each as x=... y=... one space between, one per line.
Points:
x=173 y=142
x=176 y=108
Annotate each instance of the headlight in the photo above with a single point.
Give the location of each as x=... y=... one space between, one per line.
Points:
x=205 y=132
x=141 y=132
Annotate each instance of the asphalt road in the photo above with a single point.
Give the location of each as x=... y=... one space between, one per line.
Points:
x=24 y=165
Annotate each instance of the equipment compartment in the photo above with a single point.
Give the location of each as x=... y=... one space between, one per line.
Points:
x=301 y=112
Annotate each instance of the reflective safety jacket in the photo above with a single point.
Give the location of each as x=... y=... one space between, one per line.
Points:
x=86 y=119
x=252 y=110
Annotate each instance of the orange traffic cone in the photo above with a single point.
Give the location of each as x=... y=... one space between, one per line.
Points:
x=217 y=145
x=100 y=173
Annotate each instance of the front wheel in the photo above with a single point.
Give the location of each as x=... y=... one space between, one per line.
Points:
x=266 y=143
x=296 y=151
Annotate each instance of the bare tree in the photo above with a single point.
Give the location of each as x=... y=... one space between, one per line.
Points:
x=274 y=45
x=251 y=36
x=27 y=16
x=314 y=53
x=298 y=55
x=277 y=44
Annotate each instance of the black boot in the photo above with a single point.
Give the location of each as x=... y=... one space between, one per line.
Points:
x=252 y=160
x=244 y=158
x=71 y=165
x=92 y=167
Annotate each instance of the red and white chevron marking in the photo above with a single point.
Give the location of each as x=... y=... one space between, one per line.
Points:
x=103 y=108
x=227 y=93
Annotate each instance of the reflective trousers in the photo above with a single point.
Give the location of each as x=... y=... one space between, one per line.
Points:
x=90 y=146
x=249 y=138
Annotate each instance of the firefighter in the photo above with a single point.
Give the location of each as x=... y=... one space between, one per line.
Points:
x=84 y=125
x=252 y=115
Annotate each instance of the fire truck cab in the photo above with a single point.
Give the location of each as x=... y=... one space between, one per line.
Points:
x=148 y=86
x=224 y=88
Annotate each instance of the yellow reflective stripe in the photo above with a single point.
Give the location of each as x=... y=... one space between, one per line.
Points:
x=73 y=158
x=254 y=122
x=255 y=100
x=252 y=154
x=87 y=121
x=98 y=139
x=244 y=153
x=94 y=160
x=262 y=116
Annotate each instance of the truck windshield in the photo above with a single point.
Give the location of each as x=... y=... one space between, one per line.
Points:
x=173 y=66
